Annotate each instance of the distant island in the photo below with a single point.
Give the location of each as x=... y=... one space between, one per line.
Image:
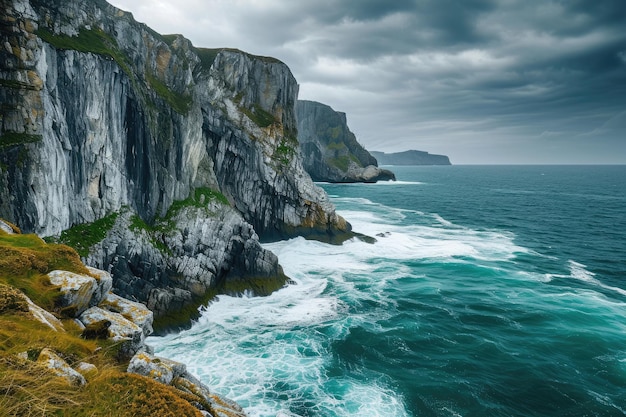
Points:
x=411 y=157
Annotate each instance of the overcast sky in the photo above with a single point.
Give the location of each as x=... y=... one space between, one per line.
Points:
x=482 y=81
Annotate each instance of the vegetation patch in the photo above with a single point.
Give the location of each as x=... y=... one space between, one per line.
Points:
x=13 y=138
x=83 y=236
x=11 y=299
x=200 y=198
x=181 y=103
x=207 y=56
x=336 y=146
x=260 y=117
x=284 y=153
x=26 y=259
x=343 y=162
x=95 y=41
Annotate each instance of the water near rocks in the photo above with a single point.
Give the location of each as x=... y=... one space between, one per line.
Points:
x=491 y=291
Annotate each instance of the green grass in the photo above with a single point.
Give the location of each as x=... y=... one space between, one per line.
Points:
x=83 y=236
x=200 y=198
x=95 y=41
x=284 y=153
x=342 y=162
x=13 y=138
x=336 y=146
x=26 y=259
x=259 y=116
x=181 y=103
x=207 y=56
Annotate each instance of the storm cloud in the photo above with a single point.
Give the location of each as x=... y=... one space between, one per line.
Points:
x=482 y=81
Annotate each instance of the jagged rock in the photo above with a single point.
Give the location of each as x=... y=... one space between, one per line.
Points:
x=77 y=291
x=159 y=369
x=130 y=336
x=220 y=406
x=57 y=365
x=199 y=250
x=330 y=150
x=135 y=312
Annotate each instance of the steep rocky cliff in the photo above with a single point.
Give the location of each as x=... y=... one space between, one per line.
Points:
x=411 y=158
x=104 y=119
x=330 y=150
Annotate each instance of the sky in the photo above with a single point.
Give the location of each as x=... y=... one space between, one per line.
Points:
x=482 y=81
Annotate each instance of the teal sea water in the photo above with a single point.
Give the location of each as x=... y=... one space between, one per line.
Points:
x=491 y=291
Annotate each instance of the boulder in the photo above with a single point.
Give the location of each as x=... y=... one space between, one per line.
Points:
x=105 y=284
x=58 y=366
x=44 y=316
x=121 y=329
x=77 y=291
x=136 y=312
x=220 y=406
x=86 y=369
x=159 y=369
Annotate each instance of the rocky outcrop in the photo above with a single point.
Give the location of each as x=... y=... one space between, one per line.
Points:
x=173 y=373
x=410 y=158
x=120 y=324
x=330 y=150
x=103 y=117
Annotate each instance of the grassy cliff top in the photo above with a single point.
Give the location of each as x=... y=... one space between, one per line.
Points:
x=29 y=388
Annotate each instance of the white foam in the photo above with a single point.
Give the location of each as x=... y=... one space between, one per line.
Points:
x=578 y=271
x=270 y=354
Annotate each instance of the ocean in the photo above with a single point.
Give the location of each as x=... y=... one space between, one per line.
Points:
x=490 y=291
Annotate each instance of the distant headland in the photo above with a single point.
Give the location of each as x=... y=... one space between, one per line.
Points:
x=411 y=157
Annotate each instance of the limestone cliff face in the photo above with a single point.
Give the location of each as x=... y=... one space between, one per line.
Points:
x=102 y=115
x=330 y=150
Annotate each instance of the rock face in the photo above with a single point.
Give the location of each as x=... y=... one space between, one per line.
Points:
x=330 y=150
x=410 y=158
x=101 y=115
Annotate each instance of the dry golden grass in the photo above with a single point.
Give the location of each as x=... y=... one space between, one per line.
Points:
x=27 y=388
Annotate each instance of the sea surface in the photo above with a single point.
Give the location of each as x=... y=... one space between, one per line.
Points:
x=491 y=291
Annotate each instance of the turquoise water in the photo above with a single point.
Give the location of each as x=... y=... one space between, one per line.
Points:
x=491 y=291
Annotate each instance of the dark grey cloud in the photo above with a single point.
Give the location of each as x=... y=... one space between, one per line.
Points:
x=504 y=81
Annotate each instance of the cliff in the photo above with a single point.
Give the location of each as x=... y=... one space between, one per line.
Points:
x=165 y=162
x=410 y=158
x=330 y=150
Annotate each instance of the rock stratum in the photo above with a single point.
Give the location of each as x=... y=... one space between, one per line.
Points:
x=159 y=161
x=410 y=158
x=330 y=151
